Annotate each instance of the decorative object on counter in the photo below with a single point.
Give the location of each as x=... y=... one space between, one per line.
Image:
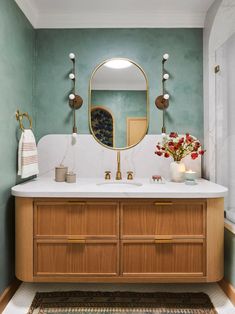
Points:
x=190 y=177
x=60 y=173
x=178 y=147
x=157 y=178
x=71 y=177
x=107 y=175
x=162 y=101
x=27 y=149
x=75 y=101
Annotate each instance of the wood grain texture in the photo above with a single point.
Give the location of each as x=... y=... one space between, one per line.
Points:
x=228 y=289
x=76 y=259
x=167 y=259
x=8 y=293
x=24 y=238
x=78 y=240
x=96 y=219
x=215 y=239
x=156 y=218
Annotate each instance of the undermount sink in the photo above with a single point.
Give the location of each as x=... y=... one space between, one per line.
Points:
x=123 y=183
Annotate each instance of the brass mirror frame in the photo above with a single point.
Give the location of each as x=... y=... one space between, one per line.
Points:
x=90 y=107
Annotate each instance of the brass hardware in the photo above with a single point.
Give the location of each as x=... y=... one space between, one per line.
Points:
x=129 y=175
x=161 y=103
x=163 y=203
x=77 y=241
x=107 y=175
x=163 y=239
x=20 y=116
x=90 y=103
x=78 y=203
x=118 y=173
x=217 y=69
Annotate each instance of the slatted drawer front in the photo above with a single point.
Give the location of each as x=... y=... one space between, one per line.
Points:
x=162 y=218
x=88 y=219
x=162 y=259
x=76 y=259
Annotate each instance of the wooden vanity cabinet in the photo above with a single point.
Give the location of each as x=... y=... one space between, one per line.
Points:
x=119 y=240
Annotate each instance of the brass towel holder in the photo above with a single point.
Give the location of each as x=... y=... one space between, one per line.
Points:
x=20 y=116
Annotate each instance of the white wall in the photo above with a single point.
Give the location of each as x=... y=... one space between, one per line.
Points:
x=219 y=26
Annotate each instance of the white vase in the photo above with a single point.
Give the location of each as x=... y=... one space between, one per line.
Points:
x=177 y=171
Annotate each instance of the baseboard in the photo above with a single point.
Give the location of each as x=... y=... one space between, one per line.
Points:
x=228 y=289
x=8 y=293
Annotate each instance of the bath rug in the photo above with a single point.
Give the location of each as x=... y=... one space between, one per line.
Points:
x=119 y=302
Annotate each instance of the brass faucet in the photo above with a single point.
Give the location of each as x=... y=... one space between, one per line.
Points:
x=107 y=175
x=118 y=173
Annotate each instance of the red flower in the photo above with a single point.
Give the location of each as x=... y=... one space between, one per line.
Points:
x=201 y=152
x=158 y=153
x=158 y=147
x=166 y=155
x=181 y=140
x=173 y=134
x=194 y=155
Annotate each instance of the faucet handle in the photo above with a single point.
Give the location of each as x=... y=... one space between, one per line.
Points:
x=107 y=175
x=129 y=175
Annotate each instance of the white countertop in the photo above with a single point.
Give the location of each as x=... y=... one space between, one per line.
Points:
x=47 y=187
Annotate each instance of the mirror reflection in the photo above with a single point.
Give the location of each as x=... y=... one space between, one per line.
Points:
x=118 y=103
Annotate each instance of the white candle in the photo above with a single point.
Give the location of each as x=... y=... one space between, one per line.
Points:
x=190 y=175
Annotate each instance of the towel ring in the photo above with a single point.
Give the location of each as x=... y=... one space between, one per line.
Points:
x=20 y=116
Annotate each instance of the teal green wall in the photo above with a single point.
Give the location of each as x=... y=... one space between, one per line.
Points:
x=229 y=257
x=122 y=104
x=16 y=77
x=144 y=46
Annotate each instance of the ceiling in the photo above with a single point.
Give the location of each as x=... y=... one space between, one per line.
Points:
x=115 y=13
x=131 y=78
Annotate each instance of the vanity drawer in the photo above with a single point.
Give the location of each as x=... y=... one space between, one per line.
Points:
x=151 y=218
x=163 y=259
x=87 y=219
x=76 y=258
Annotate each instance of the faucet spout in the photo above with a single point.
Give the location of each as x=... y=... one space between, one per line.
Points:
x=118 y=173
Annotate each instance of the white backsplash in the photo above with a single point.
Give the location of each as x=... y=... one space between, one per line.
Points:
x=88 y=159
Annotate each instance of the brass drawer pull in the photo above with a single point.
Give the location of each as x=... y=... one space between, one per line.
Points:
x=78 y=241
x=163 y=203
x=157 y=241
x=164 y=239
x=77 y=203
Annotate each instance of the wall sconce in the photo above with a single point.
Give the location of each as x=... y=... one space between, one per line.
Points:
x=75 y=101
x=162 y=101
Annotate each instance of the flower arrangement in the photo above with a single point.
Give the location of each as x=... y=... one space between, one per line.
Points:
x=179 y=146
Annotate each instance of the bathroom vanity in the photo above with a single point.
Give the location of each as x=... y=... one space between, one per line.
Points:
x=116 y=231
x=88 y=232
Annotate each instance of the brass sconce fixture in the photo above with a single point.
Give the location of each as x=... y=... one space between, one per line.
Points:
x=162 y=101
x=75 y=101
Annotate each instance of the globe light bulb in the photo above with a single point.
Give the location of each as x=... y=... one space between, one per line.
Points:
x=71 y=76
x=165 y=56
x=72 y=56
x=166 y=96
x=166 y=76
x=71 y=96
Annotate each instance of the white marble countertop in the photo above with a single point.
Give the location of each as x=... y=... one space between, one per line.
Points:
x=84 y=188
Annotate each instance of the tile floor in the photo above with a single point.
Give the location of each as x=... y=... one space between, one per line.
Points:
x=21 y=301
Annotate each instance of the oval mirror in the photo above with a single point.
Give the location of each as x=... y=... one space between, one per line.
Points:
x=118 y=103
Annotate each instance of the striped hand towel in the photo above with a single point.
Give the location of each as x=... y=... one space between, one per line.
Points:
x=27 y=155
